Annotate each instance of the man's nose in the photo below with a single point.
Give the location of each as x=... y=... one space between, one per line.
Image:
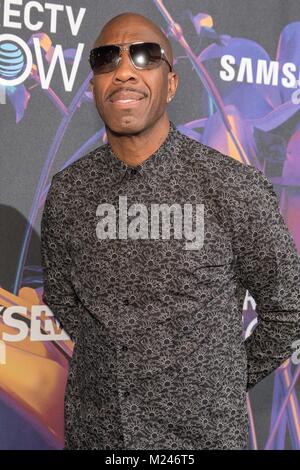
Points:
x=125 y=65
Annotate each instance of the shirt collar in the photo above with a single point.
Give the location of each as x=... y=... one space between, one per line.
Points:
x=164 y=155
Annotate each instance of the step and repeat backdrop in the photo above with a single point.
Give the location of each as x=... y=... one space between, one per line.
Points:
x=239 y=92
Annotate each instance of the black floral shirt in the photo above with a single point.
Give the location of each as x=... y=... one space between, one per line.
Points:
x=159 y=360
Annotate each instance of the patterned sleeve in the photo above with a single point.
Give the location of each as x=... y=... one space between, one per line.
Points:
x=58 y=293
x=269 y=268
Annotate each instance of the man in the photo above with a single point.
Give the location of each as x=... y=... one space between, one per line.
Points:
x=159 y=359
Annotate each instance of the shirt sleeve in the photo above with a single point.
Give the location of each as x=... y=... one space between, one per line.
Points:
x=269 y=268
x=58 y=293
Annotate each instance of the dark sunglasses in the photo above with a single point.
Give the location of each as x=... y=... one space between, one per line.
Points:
x=143 y=56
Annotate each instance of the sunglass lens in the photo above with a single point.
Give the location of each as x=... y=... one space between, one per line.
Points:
x=145 y=55
x=104 y=58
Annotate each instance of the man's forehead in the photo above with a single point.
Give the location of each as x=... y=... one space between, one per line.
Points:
x=119 y=35
x=126 y=39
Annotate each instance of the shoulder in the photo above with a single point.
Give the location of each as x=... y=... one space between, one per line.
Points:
x=241 y=191
x=67 y=184
x=80 y=169
x=223 y=172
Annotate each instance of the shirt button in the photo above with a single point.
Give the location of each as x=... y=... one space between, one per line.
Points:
x=124 y=348
x=126 y=302
x=133 y=171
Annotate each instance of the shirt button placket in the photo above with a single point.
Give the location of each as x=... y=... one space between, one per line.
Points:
x=124 y=394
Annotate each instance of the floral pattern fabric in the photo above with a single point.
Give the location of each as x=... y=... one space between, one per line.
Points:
x=159 y=360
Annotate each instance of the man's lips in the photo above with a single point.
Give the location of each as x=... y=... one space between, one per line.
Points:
x=126 y=96
x=127 y=103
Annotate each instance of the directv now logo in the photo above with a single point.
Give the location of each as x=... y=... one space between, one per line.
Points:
x=17 y=56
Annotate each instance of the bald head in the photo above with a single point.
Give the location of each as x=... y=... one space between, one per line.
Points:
x=138 y=27
x=128 y=119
